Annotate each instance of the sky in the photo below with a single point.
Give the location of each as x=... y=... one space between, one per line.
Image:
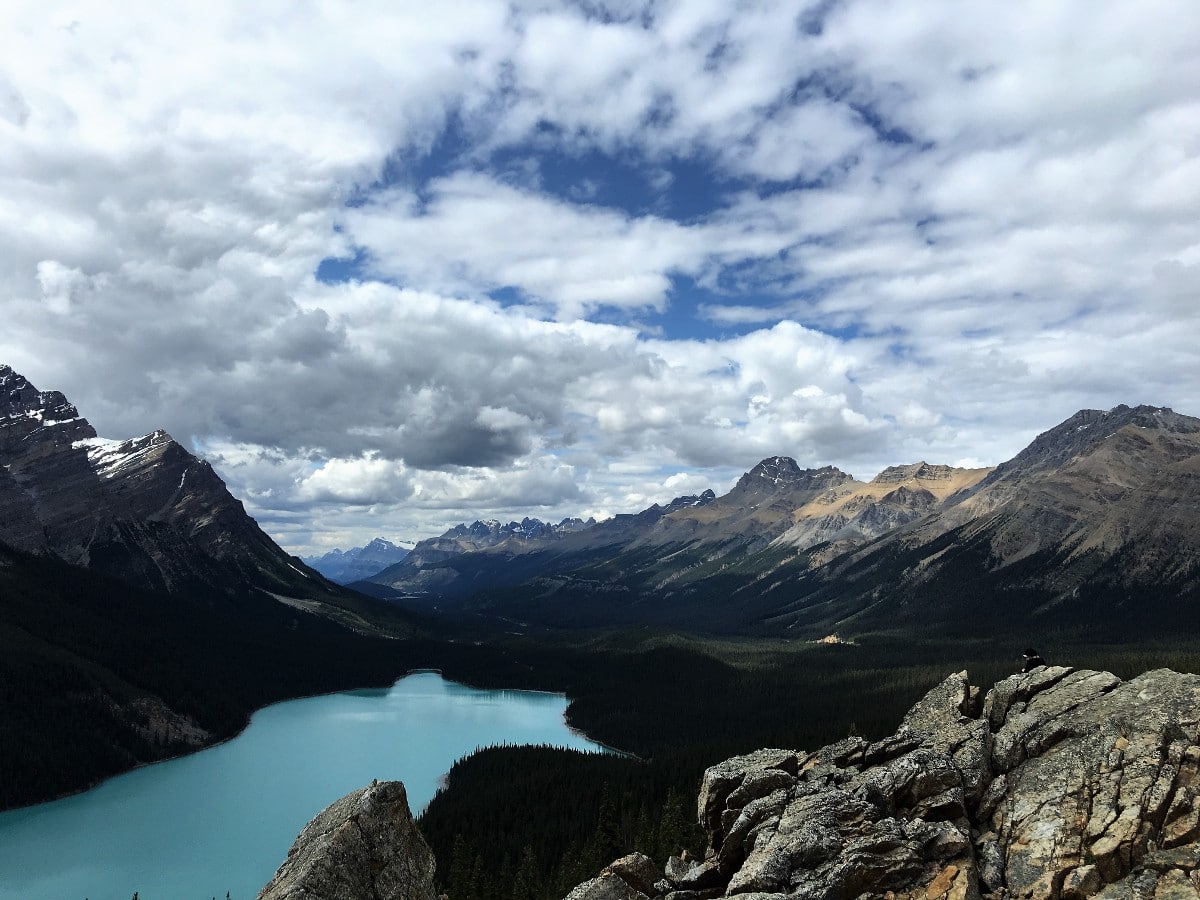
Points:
x=391 y=266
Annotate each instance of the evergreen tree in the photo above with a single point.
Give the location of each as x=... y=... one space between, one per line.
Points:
x=608 y=844
x=527 y=882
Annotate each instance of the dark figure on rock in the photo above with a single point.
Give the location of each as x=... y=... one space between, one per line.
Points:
x=1033 y=659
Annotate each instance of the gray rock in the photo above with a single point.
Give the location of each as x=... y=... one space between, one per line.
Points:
x=637 y=870
x=1058 y=784
x=723 y=779
x=677 y=867
x=605 y=887
x=363 y=845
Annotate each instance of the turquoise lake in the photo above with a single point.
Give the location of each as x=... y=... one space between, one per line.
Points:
x=222 y=820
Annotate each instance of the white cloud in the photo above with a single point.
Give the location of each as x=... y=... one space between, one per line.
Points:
x=476 y=234
x=170 y=179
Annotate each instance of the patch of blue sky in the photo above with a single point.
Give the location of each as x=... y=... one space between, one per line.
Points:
x=508 y=296
x=683 y=189
x=687 y=315
x=333 y=270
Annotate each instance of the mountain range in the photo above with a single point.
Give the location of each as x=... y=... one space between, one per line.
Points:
x=1099 y=514
x=144 y=612
x=357 y=563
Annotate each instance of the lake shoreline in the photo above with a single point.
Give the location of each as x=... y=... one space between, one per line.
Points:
x=574 y=729
x=300 y=755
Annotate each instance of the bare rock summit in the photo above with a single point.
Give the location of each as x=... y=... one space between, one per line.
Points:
x=363 y=845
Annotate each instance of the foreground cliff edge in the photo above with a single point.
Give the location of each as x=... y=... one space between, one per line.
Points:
x=363 y=845
x=1059 y=783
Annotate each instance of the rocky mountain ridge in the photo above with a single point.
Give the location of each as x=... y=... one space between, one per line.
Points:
x=1058 y=783
x=144 y=510
x=1093 y=525
x=481 y=535
x=776 y=502
x=357 y=563
x=1096 y=521
x=893 y=498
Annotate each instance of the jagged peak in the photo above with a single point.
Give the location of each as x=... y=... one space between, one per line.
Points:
x=380 y=543
x=776 y=465
x=783 y=471
x=494 y=530
x=919 y=471
x=29 y=416
x=21 y=399
x=1086 y=429
x=687 y=502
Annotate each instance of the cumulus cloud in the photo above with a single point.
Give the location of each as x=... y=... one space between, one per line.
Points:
x=913 y=231
x=471 y=234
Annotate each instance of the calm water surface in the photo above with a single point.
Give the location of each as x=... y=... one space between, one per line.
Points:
x=223 y=819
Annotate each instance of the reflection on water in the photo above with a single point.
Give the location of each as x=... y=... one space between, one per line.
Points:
x=222 y=820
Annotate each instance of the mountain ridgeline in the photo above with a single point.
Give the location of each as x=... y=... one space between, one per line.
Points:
x=1092 y=527
x=144 y=510
x=143 y=613
x=357 y=563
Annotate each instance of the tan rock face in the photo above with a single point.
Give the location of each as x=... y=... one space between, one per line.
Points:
x=363 y=845
x=854 y=511
x=1057 y=784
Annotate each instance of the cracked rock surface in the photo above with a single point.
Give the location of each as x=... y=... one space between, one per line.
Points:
x=364 y=846
x=1059 y=784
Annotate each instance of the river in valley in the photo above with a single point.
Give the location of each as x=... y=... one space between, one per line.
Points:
x=222 y=820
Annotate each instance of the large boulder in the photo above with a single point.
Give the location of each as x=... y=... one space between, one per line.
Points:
x=363 y=845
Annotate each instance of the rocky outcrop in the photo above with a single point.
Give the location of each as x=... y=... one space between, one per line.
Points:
x=363 y=845
x=1059 y=783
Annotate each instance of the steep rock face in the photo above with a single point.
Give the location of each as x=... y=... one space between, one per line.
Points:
x=758 y=509
x=1099 y=481
x=143 y=509
x=363 y=845
x=1060 y=783
x=854 y=512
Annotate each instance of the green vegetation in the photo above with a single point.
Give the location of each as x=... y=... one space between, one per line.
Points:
x=528 y=822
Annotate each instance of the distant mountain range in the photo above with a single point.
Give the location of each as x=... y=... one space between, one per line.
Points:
x=1095 y=525
x=357 y=563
